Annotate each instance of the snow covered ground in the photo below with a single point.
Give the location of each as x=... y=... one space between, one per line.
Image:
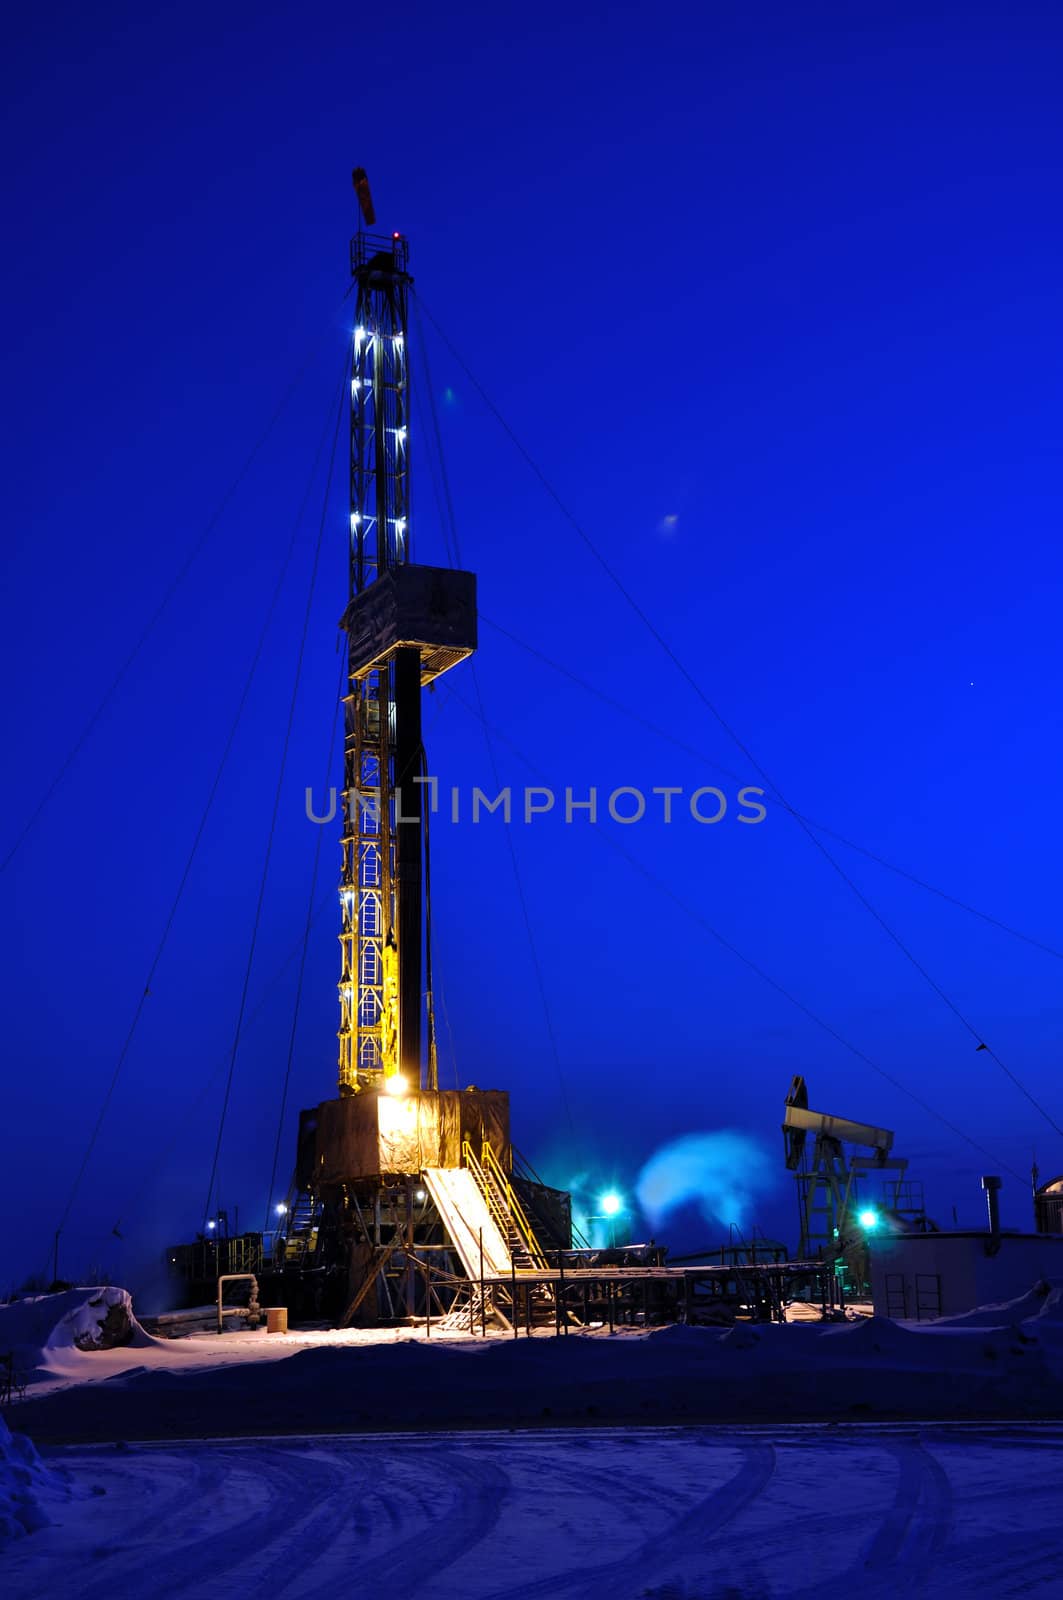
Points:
x=674 y=1514
x=1002 y=1363
x=526 y=1467
x=25 y=1484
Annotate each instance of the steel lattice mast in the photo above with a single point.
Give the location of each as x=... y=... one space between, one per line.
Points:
x=404 y=626
x=379 y=513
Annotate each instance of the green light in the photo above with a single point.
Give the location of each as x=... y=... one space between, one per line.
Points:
x=611 y=1205
x=868 y=1219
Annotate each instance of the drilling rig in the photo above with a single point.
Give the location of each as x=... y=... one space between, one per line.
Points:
x=404 y=626
x=400 y=1188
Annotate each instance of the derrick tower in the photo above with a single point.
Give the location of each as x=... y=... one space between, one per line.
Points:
x=402 y=1193
x=404 y=625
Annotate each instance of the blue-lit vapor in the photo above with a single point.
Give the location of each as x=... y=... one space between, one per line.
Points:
x=721 y=1173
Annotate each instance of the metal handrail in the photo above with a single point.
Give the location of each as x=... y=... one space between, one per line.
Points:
x=517 y=1211
x=490 y=1198
x=523 y=1166
x=492 y=1170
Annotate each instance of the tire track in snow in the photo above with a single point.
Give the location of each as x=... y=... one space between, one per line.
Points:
x=105 y=1540
x=911 y=1536
x=290 y=1482
x=207 y=1475
x=401 y=1570
x=681 y=1541
x=920 y=1523
x=308 y=1544
x=1005 y=1563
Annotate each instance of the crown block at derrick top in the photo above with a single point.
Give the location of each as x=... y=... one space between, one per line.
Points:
x=374 y=1135
x=432 y=609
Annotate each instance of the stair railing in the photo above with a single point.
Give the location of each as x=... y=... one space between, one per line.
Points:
x=497 y=1179
x=494 y=1202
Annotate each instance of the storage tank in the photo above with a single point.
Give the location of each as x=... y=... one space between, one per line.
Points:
x=1048 y=1207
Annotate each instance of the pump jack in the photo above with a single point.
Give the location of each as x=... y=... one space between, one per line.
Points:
x=828 y=1185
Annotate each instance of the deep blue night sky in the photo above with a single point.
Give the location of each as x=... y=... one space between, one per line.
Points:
x=772 y=297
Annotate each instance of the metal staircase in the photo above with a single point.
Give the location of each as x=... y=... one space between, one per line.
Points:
x=492 y=1236
x=300 y=1234
x=467 y=1311
x=505 y=1208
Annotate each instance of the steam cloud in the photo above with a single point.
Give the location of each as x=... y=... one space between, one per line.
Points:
x=722 y=1172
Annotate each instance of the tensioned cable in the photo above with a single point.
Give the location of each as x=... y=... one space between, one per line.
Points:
x=445 y=521
x=436 y=491
x=175 y=584
x=447 y=517
x=448 y=527
x=430 y=999
x=196 y=841
x=525 y=913
x=267 y=995
x=753 y=966
x=306 y=945
x=277 y=793
x=433 y=977
x=821 y=827
x=522 y=900
x=540 y=979
x=450 y=1030
x=680 y=666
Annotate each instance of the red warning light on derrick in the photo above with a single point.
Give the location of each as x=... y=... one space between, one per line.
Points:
x=365 y=199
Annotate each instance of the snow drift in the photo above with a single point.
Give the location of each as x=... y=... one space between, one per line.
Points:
x=1043 y=1303
x=1002 y=1362
x=1009 y=1365
x=25 y=1482
x=48 y=1333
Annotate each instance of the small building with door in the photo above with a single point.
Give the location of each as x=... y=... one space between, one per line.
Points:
x=919 y=1276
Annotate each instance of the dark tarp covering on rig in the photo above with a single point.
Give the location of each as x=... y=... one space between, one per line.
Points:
x=375 y=1135
x=433 y=608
